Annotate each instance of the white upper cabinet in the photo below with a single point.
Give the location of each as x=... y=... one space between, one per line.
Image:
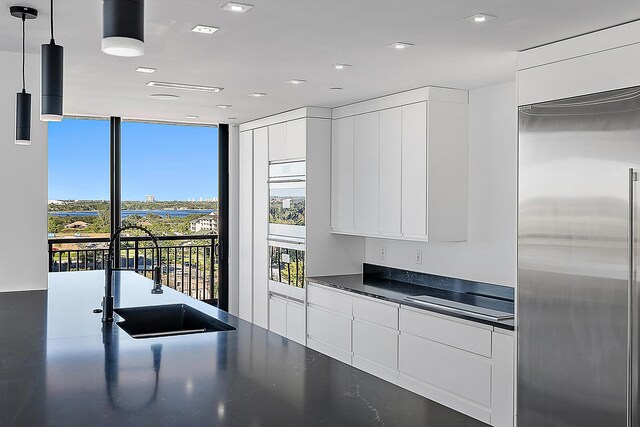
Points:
x=342 y=174
x=390 y=177
x=400 y=166
x=447 y=171
x=365 y=172
x=414 y=170
x=288 y=140
x=297 y=139
x=278 y=141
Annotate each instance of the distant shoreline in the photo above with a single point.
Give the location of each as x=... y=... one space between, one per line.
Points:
x=126 y=213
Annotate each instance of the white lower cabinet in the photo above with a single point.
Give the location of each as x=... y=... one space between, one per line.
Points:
x=295 y=322
x=461 y=364
x=375 y=350
x=286 y=318
x=458 y=364
x=329 y=327
x=278 y=315
x=329 y=322
x=453 y=377
x=503 y=379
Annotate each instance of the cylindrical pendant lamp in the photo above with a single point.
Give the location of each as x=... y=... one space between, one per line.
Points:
x=123 y=27
x=52 y=57
x=23 y=118
x=23 y=99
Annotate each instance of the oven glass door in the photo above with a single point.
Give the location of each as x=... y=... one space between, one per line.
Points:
x=287 y=201
x=286 y=263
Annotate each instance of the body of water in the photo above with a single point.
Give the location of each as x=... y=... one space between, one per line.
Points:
x=126 y=213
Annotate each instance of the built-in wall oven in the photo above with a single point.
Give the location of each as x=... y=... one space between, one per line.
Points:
x=287 y=262
x=287 y=197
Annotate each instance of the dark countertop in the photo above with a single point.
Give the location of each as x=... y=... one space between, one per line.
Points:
x=397 y=291
x=58 y=369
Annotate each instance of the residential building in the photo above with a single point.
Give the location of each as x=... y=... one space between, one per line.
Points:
x=207 y=223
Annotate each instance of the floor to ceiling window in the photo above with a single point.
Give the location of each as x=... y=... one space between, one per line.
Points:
x=78 y=204
x=169 y=185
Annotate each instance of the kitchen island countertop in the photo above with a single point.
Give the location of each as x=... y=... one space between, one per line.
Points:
x=59 y=368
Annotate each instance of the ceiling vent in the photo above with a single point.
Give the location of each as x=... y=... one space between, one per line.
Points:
x=184 y=86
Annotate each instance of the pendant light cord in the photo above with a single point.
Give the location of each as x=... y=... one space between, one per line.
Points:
x=52 y=21
x=23 y=54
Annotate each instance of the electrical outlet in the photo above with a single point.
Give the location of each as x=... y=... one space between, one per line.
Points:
x=418 y=257
x=383 y=253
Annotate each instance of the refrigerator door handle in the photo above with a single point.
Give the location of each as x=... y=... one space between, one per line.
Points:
x=631 y=382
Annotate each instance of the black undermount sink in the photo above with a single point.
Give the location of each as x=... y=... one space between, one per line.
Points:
x=167 y=320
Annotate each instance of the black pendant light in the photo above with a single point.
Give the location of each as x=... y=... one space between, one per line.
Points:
x=123 y=27
x=52 y=58
x=23 y=101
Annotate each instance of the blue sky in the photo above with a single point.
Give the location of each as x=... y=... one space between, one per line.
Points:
x=171 y=162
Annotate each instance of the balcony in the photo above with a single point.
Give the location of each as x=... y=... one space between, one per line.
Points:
x=189 y=264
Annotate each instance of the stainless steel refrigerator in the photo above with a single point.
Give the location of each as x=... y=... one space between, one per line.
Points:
x=578 y=229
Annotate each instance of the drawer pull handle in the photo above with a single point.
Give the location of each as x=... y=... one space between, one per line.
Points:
x=491 y=315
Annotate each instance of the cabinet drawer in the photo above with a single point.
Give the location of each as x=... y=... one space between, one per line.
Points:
x=325 y=297
x=465 y=375
x=278 y=316
x=376 y=344
x=330 y=351
x=331 y=328
x=475 y=339
x=368 y=309
x=295 y=322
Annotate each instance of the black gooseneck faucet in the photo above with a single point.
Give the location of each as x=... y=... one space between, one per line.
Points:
x=107 y=300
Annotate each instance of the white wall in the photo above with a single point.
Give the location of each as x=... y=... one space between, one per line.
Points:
x=23 y=183
x=489 y=254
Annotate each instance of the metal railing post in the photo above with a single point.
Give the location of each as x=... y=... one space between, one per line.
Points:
x=212 y=268
x=50 y=256
x=135 y=255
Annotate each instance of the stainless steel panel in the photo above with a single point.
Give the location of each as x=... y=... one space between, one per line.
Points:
x=631 y=306
x=634 y=294
x=573 y=262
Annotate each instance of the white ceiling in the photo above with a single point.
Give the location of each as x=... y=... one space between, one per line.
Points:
x=280 y=40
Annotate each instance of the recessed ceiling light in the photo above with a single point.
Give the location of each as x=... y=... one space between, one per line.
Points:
x=479 y=18
x=184 y=86
x=257 y=94
x=400 y=45
x=164 y=97
x=191 y=117
x=223 y=106
x=335 y=88
x=237 y=7
x=340 y=66
x=146 y=70
x=296 y=81
x=204 y=29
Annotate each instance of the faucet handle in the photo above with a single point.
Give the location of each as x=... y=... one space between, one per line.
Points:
x=157 y=280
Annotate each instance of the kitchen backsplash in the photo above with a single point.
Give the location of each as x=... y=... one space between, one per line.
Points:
x=440 y=282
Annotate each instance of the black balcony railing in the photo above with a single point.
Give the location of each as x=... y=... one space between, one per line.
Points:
x=189 y=264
